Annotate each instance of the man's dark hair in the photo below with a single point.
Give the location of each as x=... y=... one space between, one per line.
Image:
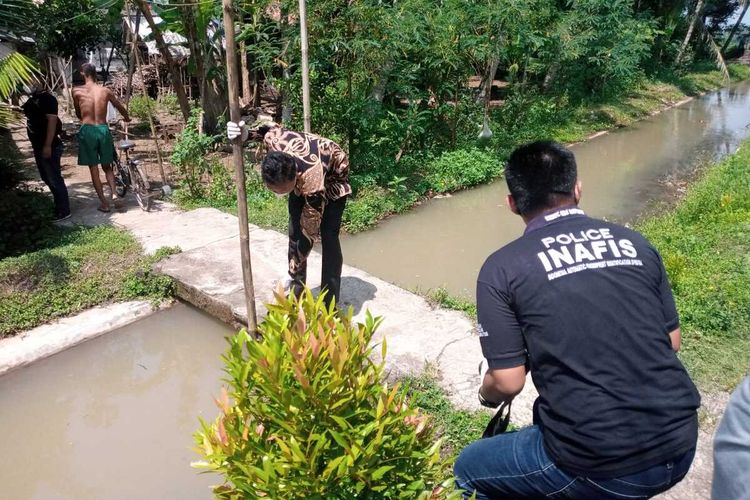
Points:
x=278 y=168
x=539 y=174
x=88 y=70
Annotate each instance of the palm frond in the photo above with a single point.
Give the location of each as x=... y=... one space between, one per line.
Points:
x=15 y=69
x=716 y=52
x=8 y=115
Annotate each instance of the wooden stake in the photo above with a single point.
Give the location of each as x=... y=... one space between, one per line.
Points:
x=305 y=68
x=133 y=36
x=239 y=167
x=151 y=119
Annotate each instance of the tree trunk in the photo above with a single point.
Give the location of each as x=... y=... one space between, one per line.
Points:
x=246 y=95
x=735 y=27
x=173 y=69
x=486 y=85
x=689 y=34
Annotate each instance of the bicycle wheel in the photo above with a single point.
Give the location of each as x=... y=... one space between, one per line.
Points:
x=121 y=179
x=140 y=187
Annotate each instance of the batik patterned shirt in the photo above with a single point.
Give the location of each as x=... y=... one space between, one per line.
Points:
x=325 y=177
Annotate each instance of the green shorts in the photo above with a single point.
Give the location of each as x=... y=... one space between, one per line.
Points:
x=95 y=145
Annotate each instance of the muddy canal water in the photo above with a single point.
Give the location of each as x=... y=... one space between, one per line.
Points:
x=445 y=241
x=113 y=418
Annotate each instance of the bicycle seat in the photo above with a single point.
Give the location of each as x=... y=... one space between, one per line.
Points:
x=125 y=145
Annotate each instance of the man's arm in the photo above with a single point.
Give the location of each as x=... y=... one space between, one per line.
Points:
x=676 y=337
x=502 y=342
x=77 y=104
x=503 y=384
x=51 y=131
x=117 y=104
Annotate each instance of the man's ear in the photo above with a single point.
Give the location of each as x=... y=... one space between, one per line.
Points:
x=577 y=191
x=512 y=204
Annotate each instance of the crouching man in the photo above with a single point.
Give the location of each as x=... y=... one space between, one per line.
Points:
x=314 y=172
x=585 y=305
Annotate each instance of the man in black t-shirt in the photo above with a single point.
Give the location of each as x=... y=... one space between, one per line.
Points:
x=43 y=127
x=586 y=307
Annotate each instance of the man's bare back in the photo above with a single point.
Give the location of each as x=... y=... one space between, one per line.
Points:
x=91 y=103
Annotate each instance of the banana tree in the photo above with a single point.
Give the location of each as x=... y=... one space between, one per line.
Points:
x=200 y=23
x=15 y=68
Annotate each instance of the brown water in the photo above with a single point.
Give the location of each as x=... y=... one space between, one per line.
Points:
x=445 y=241
x=113 y=418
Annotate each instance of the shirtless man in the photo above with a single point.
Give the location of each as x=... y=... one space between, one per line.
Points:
x=95 y=146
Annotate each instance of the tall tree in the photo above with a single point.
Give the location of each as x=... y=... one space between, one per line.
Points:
x=174 y=71
x=745 y=5
x=686 y=41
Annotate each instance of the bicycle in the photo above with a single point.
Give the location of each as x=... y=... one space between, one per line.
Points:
x=131 y=176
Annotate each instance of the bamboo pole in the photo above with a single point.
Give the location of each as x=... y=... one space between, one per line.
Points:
x=239 y=168
x=305 y=67
x=139 y=63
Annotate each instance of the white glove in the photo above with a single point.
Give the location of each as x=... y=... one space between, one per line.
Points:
x=235 y=130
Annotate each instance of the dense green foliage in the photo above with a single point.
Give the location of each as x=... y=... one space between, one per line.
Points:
x=76 y=269
x=309 y=415
x=63 y=27
x=705 y=242
x=391 y=81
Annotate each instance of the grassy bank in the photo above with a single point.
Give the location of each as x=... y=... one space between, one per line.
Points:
x=73 y=270
x=395 y=187
x=705 y=243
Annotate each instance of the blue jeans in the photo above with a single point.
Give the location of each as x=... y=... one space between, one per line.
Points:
x=732 y=447
x=515 y=465
x=51 y=173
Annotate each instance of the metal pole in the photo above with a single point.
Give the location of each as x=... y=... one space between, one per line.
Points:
x=239 y=169
x=305 y=67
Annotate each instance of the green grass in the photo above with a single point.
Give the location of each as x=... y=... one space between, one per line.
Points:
x=705 y=244
x=76 y=269
x=458 y=428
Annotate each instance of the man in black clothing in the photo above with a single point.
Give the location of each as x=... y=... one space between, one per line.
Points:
x=43 y=127
x=586 y=307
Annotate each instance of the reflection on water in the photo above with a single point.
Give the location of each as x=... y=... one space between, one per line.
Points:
x=445 y=241
x=113 y=418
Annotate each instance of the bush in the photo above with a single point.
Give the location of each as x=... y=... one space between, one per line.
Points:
x=463 y=168
x=308 y=415
x=141 y=107
x=189 y=156
x=170 y=104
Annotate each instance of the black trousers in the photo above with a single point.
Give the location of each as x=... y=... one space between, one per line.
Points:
x=333 y=260
x=51 y=173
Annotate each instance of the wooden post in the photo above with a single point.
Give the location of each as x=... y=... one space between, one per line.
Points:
x=305 y=68
x=139 y=63
x=133 y=48
x=239 y=167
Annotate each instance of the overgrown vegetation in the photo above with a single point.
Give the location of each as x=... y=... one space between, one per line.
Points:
x=309 y=415
x=705 y=242
x=76 y=269
x=141 y=107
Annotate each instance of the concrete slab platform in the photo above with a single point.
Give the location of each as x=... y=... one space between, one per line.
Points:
x=417 y=334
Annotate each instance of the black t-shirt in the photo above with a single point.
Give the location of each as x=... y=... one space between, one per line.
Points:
x=588 y=306
x=36 y=109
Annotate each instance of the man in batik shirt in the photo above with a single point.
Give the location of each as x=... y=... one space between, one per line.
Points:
x=314 y=172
